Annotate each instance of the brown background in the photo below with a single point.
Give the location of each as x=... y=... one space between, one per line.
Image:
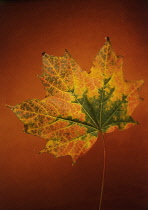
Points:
x=32 y=181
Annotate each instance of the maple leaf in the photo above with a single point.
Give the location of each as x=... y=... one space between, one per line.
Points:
x=78 y=104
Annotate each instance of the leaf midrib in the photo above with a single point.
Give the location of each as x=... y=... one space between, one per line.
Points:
x=98 y=128
x=69 y=120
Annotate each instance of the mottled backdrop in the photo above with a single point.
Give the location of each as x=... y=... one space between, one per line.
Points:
x=29 y=181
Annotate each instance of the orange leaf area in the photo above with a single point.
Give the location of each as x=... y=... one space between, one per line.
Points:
x=78 y=104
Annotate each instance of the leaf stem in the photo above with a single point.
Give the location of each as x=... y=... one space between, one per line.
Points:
x=104 y=169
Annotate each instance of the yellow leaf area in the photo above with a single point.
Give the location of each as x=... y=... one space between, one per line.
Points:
x=78 y=105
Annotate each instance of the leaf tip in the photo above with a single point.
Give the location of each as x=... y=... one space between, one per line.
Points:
x=107 y=39
x=142 y=99
x=137 y=123
x=142 y=82
x=39 y=76
x=67 y=54
x=43 y=53
x=10 y=107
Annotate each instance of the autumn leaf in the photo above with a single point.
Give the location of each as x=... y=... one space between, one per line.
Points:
x=78 y=104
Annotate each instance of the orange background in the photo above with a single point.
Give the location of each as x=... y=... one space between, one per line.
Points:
x=32 y=181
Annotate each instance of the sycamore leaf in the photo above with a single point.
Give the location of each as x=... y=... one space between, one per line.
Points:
x=78 y=105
